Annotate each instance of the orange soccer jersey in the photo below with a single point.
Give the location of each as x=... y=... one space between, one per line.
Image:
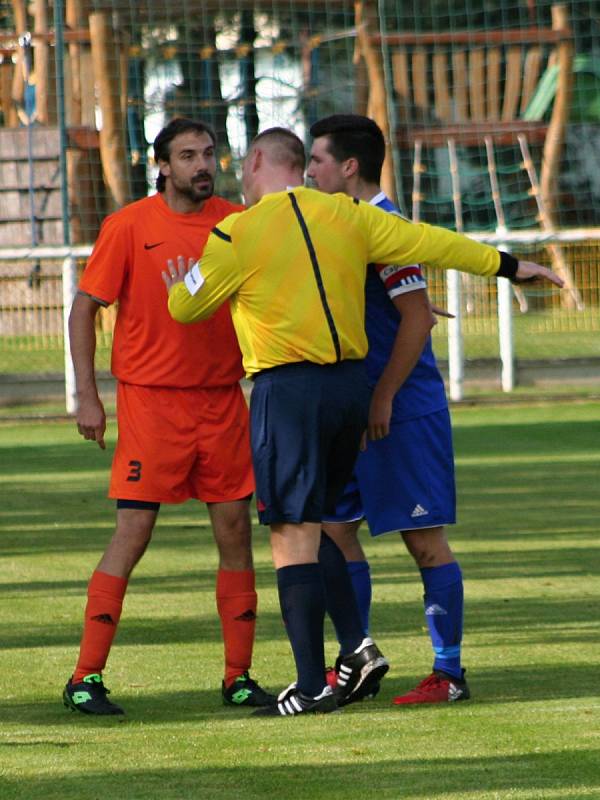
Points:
x=149 y=347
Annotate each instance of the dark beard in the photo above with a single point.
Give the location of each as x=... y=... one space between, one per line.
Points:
x=193 y=191
x=197 y=193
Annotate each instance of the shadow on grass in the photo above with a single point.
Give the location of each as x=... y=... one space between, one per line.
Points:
x=132 y=631
x=542 y=620
x=531 y=683
x=502 y=495
x=95 y=533
x=552 y=563
x=135 y=630
x=193 y=580
x=71 y=453
x=50 y=458
x=535 y=773
x=174 y=583
x=542 y=438
x=535 y=683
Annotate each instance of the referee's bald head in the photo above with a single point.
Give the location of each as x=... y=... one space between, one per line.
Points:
x=281 y=147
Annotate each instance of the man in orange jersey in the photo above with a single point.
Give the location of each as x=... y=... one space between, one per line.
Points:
x=203 y=450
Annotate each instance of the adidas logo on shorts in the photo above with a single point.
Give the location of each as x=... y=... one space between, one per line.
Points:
x=419 y=511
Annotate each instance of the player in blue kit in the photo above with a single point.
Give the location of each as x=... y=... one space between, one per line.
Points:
x=404 y=479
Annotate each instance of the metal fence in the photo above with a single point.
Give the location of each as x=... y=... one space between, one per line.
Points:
x=491 y=113
x=495 y=323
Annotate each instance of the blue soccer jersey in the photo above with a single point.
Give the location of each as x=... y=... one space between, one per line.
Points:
x=406 y=480
x=423 y=391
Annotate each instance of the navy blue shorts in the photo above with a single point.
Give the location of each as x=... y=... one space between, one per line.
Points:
x=405 y=481
x=306 y=421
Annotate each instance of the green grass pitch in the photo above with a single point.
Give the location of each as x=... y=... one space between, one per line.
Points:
x=527 y=540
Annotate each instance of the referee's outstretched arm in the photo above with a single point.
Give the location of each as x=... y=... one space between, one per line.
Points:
x=388 y=239
x=396 y=240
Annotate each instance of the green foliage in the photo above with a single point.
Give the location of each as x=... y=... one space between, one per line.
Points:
x=528 y=545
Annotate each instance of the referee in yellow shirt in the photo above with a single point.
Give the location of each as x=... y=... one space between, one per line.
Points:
x=293 y=266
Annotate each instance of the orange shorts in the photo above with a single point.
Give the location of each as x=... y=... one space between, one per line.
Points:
x=175 y=444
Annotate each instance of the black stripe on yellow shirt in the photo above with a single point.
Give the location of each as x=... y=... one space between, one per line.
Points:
x=318 y=278
x=225 y=236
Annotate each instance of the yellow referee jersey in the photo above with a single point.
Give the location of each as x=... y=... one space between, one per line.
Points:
x=294 y=267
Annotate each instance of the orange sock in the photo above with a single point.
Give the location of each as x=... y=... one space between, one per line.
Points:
x=105 y=600
x=236 y=604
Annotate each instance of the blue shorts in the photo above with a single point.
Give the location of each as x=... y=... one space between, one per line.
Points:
x=306 y=421
x=405 y=481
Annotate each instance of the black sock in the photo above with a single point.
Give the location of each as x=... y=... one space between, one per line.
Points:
x=339 y=596
x=302 y=601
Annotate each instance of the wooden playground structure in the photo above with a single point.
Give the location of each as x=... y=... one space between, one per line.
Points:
x=427 y=90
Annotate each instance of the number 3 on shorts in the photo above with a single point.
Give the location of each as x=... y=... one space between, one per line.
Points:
x=135 y=471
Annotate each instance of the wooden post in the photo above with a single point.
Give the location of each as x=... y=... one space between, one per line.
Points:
x=553 y=145
x=76 y=12
x=41 y=51
x=18 y=78
x=78 y=178
x=123 y=64
x=80 y=96
x=571 y=298
x=113 y=153
x=366 y=22
x=11 y=119
x=560 y=115
x=361 y=82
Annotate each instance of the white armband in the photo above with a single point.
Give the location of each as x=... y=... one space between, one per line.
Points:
x=194 y=280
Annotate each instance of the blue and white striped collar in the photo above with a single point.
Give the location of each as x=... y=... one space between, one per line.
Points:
x=378 y=198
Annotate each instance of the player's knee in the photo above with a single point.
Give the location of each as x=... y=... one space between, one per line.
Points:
x=424 y=558
x=345 y=536
x=234 y=544
x=428 y=548
x=132 y=538
x=235 y=557
x=238 y=533
x=133 y=542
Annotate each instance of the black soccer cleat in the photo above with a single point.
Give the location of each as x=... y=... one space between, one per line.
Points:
x=246 y=692
x=331 y=678
x=89 y=697
x=292 y=702
x=360 y=672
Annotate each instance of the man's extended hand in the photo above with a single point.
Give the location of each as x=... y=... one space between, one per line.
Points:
x=176 y=274
x=530 y=271
x=380 y=414
x=441 y=312
x=91 y=419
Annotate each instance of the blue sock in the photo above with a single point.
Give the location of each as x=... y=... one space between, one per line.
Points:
x=443 y=601
x=340 y=598
x=302 y=601
x=361 y=583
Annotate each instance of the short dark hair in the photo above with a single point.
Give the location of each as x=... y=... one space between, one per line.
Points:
x=162 y=143
x=354 y=136
x=288 y=148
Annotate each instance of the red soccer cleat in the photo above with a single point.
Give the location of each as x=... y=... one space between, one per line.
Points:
x=439 y=687
x=331 y=677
